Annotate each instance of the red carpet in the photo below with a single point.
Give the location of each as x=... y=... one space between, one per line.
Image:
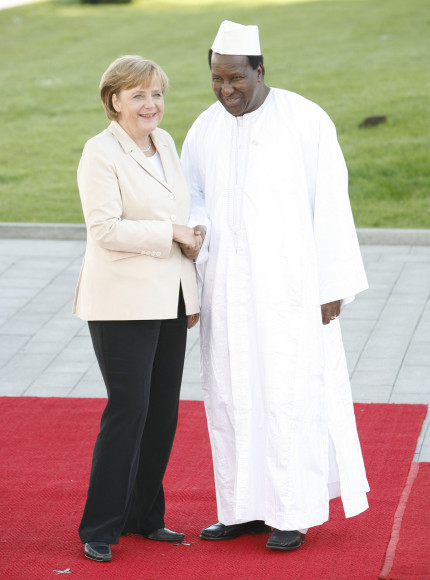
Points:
x=45 y=456
x=408 y=553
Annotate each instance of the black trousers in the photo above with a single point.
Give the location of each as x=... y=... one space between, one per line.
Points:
x=141 y=362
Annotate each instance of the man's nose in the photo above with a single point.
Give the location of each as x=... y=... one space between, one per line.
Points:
x=226 y=89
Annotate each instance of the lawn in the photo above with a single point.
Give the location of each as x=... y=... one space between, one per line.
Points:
x=354 y=58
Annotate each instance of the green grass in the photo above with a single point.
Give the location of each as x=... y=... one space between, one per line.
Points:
x=354 y=58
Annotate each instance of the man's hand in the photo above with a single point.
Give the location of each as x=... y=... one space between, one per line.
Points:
x=200 y=230
x=330 y=311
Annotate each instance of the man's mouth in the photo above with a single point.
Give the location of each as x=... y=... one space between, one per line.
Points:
x=231 y=101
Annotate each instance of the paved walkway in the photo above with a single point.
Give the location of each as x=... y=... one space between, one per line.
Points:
x=46 y=351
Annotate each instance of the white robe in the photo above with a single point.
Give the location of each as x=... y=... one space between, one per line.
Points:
x=271 y=187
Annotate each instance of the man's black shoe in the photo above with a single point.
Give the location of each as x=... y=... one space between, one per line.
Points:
x=98 y=551
x=164 y=535
x=221 y=532
x=289 y=540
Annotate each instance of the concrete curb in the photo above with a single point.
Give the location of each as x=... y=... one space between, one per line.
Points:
x=43 y=231
x=366 y=236
x=393 y=237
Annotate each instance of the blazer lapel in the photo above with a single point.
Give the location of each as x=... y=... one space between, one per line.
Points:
x=133 y=150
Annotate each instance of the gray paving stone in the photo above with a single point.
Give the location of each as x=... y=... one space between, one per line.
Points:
x=60 y=366
x=364 y=309
x=418 y=354
x=191 y=373
x=356 y=333
x=411 y=398
x=379 y=376
x=23 y=360
x=42 y=304
x=41 y=391
x=22 y=283
x=413 y=379
x=371 y=393
x=424 y=454
x=93 y=373
x=5 y=355
x=89 y=389
x=397 y=299
x=422 y=332
x=58 y=331
x=23 y=323
x=17 y=293
x=14 y=342
x=424 y=438
x=191 y=391
x=352 y=357
x=41 y=248
x=83 y=331
x=10 y=390
x=386 y=365
x=394 y=252
x=51 y=379
x=81 y=343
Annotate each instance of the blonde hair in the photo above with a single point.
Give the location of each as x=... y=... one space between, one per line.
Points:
x=127 y=72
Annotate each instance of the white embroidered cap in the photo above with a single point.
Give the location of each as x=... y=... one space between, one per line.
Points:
x=237 y=39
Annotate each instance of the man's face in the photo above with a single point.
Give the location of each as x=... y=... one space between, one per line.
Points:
x=237 y=86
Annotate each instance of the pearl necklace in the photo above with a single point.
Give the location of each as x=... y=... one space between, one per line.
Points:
x=148 y=148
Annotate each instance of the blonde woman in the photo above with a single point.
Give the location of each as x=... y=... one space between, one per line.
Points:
x=138 y=291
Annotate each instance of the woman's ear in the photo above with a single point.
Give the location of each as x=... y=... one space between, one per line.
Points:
x=115 y=103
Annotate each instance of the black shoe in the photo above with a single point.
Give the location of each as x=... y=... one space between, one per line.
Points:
x=164 y=535
x=99 y=551
x=221 y=532
x=289 y=540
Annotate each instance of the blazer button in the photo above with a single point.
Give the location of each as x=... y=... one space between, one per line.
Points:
x=173 y=217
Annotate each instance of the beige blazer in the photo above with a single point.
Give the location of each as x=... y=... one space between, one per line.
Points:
x=132 y=269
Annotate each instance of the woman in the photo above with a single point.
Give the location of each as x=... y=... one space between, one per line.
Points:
x=138 y=291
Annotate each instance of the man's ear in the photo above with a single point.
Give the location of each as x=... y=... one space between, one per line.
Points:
x=260 y=71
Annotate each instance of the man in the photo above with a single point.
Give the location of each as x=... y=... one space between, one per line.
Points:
x=280 y=258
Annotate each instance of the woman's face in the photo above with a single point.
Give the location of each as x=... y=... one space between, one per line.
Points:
x=140 y=110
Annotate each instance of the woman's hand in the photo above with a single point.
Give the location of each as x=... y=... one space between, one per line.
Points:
x=189 y=239
x=192 y=320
